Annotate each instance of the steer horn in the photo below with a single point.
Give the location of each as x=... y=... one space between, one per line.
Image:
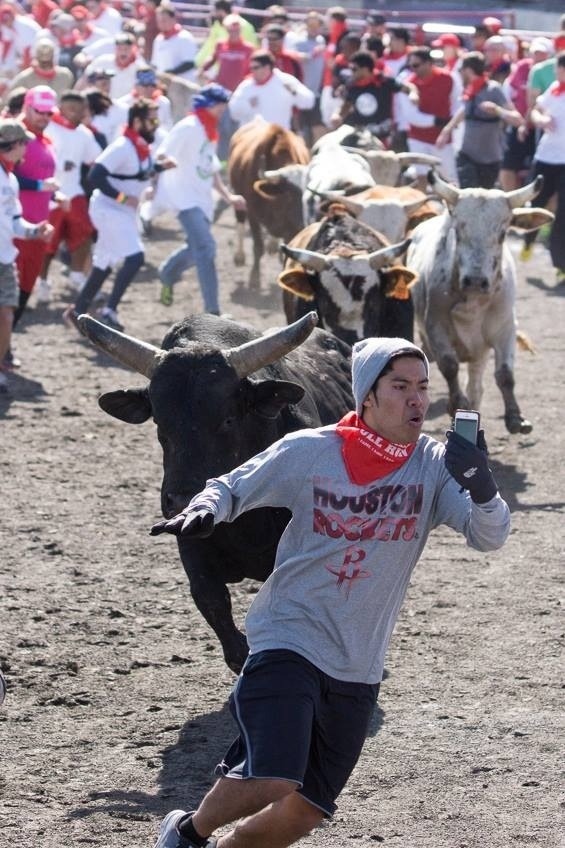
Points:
x=308 y=258
x=140 y=356
x=445 y=190
x=408 y=159
x=521 y=196
x=253 y=355
x=380 y=257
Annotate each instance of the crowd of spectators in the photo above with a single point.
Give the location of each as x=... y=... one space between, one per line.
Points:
x=94 y=85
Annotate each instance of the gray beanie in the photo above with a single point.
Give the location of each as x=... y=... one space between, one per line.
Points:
x=368 y=359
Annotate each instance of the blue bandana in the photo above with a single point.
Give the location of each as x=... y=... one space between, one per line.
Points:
x=210 y=95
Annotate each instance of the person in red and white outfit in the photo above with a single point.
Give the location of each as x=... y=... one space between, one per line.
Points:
x=75 y=147
x=548 y=115
x=438 y=101
x=174 y=49
x=119 y=175
x=123 y=63
x=146 y=87
x=105 y=16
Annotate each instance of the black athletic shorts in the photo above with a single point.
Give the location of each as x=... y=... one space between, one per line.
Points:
x=518 y=154
x=297 y=723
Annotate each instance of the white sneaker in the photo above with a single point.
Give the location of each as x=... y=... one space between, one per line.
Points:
x=43 y=290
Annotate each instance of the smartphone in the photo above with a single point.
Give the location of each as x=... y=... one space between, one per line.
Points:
x=466 y=423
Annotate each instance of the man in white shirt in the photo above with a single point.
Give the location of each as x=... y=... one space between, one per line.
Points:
x=174 y=48
x=269 y=93
x=105 y=16
x=124 y=62
x=75 y=147
x=192 y=143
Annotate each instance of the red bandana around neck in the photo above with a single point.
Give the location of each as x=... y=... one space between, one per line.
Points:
x=141 y=146
x=37 y=133
x=368 y=456
x=209 y=122
x=557 y=88
x=121 y=64
x=474 y=87
x=172 y=32
x=57 y=118
x=43 y=73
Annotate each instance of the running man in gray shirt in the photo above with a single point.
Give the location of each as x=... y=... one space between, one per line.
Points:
x=364 y=495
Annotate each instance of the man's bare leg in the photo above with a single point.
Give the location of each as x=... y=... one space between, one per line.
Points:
x=276 y=826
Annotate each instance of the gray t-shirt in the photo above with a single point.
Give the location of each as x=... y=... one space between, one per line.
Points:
x=313 y=66
x=344 y=561
x=483 y=135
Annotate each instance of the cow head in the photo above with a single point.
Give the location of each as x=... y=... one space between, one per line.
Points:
x=213 y=407
x=479 y=221
x=389 y=217
x=387 y=166
x=351 y=287
x=294 y=175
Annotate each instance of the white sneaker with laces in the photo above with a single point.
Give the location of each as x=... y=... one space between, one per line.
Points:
x=43 y=290
x=169 y=837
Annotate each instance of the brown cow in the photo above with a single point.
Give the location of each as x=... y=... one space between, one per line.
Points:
x=255 y=147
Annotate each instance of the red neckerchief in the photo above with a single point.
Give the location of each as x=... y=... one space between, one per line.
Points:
x=69 y=39
x=337 y=28
x=398 y=54
x=172 y=32
x=42 y=139
x=41 y=72
x=141 y=146
x=420 y=82
x=155 y=96
x=368 y=456
x=209 y=122
x=362 y=83
x=8 y=167
x=57 y=118
x=269 y=78
x=557 y=88
x=474 y=87
x=121 y=64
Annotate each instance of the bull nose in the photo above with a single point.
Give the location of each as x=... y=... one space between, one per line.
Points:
x=174 y=502
x=475 y=282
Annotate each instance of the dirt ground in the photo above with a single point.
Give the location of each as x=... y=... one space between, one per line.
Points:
x=116 y=709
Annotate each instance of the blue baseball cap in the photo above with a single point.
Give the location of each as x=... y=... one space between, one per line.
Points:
x=210 y=95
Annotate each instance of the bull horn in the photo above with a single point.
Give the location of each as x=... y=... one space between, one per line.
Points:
x=521 y=196
x=126 y=350
x=354 y=208
x=253 y=355
x=444 y=189
x=412 y=206
x=382 y=256
x=407 y=159
x=308 y=258
x=272 y=176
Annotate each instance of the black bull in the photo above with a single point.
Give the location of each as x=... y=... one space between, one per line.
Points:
x=220 y=393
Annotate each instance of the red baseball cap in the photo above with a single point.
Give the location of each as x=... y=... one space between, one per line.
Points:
x=447 y=39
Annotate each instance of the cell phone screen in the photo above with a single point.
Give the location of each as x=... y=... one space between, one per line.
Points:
x=468 y=428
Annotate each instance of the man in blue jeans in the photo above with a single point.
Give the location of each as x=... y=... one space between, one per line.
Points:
x=192 y=143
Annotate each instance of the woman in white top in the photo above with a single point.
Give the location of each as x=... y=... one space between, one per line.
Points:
x=549 y=159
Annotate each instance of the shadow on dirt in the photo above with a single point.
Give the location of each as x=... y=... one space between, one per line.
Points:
x=187 y=770
x=265 y=298
x=551 y=289
x=22 y=390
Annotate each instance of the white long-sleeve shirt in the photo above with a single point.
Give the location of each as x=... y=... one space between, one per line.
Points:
x=12 y=225
x=273 y=101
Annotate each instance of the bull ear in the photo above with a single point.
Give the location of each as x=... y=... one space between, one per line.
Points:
x=297 y=282
x=130 y=405
x=398 y=281
x=529 y=219
x=269 y=397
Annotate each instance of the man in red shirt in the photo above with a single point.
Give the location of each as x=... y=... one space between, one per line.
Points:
x=285 y=61
x=438 y=101
x=232 y=59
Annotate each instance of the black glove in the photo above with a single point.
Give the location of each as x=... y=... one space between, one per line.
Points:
x=468 y=465
x=196 y=523
x=441 y=122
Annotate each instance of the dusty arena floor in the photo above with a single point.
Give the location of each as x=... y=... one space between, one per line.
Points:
x=116 y=709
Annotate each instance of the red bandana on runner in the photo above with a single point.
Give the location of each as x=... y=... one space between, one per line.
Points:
x=368 y=456
x=174 y=31
x=474 y=87
x=209 y=122
x=141 y=146
x=42 y=139
x=557 y=88
x=125 y=63
x=57 y=118
x=43 y=73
